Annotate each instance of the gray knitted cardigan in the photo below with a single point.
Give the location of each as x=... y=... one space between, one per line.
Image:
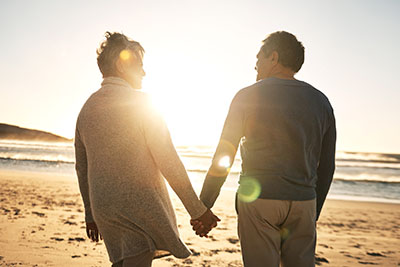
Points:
x=123 y=152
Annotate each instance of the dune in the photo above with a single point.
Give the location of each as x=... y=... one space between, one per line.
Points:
x=12 y=132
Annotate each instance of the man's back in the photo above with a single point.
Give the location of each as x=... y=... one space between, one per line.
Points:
x=284 y=123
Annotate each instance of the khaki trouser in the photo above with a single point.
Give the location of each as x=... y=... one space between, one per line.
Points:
x=277 y=231
x=142 y=260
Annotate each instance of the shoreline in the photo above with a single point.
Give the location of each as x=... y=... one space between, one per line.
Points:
x=71 y=175
x=42 y=215
x=363 y=199
x=347 y=198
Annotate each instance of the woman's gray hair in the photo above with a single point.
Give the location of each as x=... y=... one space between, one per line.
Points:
x=110 y=49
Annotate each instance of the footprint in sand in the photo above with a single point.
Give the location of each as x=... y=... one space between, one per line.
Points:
x=367 y=263
x=233 y=240
x=40 y=214
x=194 y=252
x=324 y=246
x=57 y=238
x=375 y=254
x=16 y=211
x=232 y=250
x=319 y=260
x=353 y=257
x=212 y=238
x=69 y=222
x=5 y=210
x=215 y=251
x=187 y=261
x=79 y=239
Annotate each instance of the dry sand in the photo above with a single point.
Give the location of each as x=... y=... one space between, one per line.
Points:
x=42 y=224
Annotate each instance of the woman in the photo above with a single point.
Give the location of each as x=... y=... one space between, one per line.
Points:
x=123 y=152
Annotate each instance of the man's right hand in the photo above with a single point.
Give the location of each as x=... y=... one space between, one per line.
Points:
x=204 y=223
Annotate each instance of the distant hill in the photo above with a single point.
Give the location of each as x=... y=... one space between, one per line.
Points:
x=12 y=132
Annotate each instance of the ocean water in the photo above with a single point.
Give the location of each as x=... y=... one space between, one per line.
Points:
x=358 y=176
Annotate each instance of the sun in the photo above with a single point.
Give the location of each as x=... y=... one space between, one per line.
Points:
x=194 y=110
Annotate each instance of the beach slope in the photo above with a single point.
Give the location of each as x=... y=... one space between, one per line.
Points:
x=42 y=224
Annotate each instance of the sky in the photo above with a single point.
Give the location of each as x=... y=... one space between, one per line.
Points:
x=198 y=55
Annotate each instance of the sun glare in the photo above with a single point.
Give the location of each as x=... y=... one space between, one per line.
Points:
x=225 y=162
x=125 y=54
x=194 y=111
x=249 y=189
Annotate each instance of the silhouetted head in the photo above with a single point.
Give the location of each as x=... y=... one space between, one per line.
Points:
x=280 y=54
x=121 y=57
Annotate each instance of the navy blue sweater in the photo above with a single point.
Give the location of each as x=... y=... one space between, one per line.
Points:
x=287 y=135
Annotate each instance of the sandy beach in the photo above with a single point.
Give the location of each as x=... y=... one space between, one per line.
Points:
x=42 y=224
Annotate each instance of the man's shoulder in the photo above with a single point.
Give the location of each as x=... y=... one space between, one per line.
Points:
x=323 y=98
x=246 y=95
x=314 y=90
x=273 y=86
x=261 y=84
x=320 y=98
x=246 y=91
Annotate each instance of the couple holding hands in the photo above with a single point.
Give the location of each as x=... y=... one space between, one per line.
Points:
x=124 y=153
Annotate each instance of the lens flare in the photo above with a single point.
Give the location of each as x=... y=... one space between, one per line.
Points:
x=284 y=232
x=225 y=162
x=125 y=54
x=249 y=189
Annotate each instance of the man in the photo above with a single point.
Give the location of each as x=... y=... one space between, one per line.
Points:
x=287 y=134
x=123 y=152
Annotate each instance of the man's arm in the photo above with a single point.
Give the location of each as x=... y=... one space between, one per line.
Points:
x=225 y=153
x=326 y=166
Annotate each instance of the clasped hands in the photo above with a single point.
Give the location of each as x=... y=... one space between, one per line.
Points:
x=203 y=225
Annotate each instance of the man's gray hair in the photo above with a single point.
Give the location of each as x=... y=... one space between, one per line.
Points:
x=290 y=50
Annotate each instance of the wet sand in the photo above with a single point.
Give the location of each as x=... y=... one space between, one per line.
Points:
x=42 y=224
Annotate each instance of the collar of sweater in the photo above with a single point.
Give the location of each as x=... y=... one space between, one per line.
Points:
x=113 y=81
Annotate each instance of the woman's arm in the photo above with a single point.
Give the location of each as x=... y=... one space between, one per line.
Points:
x=167 y=160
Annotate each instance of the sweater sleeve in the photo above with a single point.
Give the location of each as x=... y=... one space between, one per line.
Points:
x=326 y=166
x=225 y=153
x=81 y=171
x=167 y=160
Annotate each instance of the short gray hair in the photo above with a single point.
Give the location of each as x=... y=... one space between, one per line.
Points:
x=290 y=50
